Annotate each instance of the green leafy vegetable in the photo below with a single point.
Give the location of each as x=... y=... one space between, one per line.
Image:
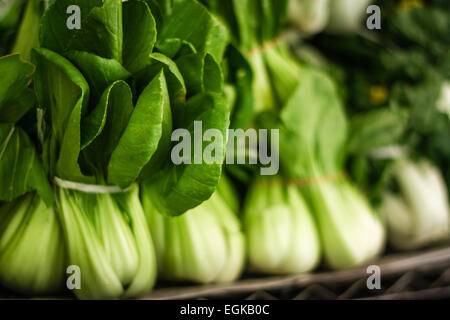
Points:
x=109 y=105
x=31 y=243
x=203 y=245
x=351 y=232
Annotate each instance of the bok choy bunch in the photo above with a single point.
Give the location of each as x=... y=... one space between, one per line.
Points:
x=418 y=213
x=110 y=94
x=304 y=104
x=204 y=245
x=281 y=234
x=313 y=121
x=32 y=253
x=95 y=132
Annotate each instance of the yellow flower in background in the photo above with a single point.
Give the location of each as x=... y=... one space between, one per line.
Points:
x=378 y=95
x=406 y=5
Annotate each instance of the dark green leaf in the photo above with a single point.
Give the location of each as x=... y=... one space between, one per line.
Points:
x=178 y=188
x=201 y=73
x=376 y=129
x=100 y=33
x=139 y=30
x=15 y=97
x=142 y=135
x=63 y=94
x=100 y=73
x=20 y=168
x=175 y=81
x=190 y=21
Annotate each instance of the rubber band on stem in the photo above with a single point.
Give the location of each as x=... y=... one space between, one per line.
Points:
x=265 y=47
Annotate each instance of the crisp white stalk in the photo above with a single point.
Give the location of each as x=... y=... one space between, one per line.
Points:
x=443 y=103
x=281 y=235
x=203 y=245
x=309 y=16
x=32 y=255
x=346 y=16
x=352 y=234
x=107 y=238
x=422 y=202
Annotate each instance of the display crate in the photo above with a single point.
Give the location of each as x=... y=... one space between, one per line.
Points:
x=418 y=275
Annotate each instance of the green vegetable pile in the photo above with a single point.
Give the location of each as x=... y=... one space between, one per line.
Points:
x=92 y=100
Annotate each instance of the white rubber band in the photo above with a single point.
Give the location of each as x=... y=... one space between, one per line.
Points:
x=90 y=188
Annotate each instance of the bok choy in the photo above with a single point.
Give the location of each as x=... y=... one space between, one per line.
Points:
x=31 y=243
x=304 y=104
x=94 y=133
x=111 y=93
x=32 y=252
x=281 y=234
x=418 y=214
x=203 y=245
x=351 y=232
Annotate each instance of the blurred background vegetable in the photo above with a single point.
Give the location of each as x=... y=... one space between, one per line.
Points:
x=418 y=214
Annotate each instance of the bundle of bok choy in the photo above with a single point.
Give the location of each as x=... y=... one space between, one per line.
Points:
x=281 y=234
x=418 y=213
x=203 y=245
x=32 y=253
x=110 y=94
x=314 y=122
x=304 y=104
